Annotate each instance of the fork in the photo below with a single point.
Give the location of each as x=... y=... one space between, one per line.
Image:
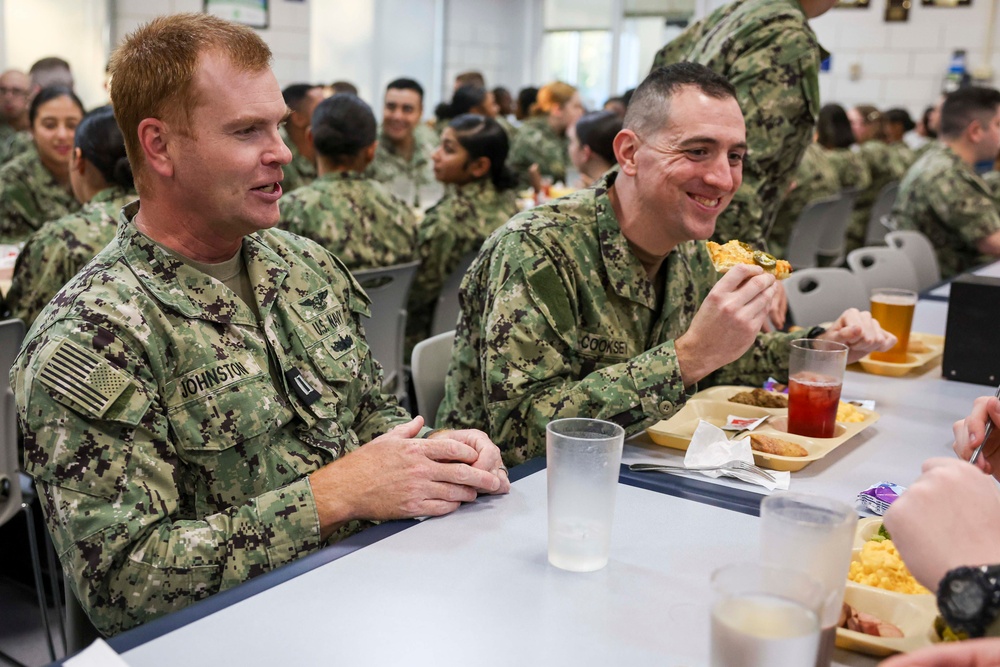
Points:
x=728 y=466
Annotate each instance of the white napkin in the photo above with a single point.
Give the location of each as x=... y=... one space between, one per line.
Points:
x=98 y=654
x=709 y=447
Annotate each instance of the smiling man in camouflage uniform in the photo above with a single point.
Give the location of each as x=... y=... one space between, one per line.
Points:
x=605 y=303
x=195 y=401
x=770 y=54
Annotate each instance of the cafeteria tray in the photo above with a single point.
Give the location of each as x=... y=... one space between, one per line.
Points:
x=713 y=405
x=914 y=360
x=913 y=614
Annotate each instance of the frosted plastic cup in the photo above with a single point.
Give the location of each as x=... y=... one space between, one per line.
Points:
x=815 y=377
x=813 y=535
x=582 y=460
x=764 y=616
x=893 y=308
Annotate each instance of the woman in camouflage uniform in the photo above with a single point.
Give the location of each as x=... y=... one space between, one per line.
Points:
x=541 y=139
x=101 y=178
x=479 y=198
x=34 y=187
x=353 y=216
x=591 y=145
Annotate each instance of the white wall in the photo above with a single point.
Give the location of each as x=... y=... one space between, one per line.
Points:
x=288 y=35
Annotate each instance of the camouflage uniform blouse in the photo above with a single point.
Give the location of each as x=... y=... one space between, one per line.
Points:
x=388 y=166
x=169 y=463
x=57 y=251
x=992 y=180
x=852 y=172
x=30 y=197
x=815 y=179
x=537 y=143
x=454 y=227
x=945 y=199
x=559 y=320
x=885 y=164
x=300 y=171
x=355 y=218
x=14 y=145
x=770 y=54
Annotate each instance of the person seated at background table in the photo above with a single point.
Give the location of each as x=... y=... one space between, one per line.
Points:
x=301 y=99
x=403 y=153
x=480 y=197
x=34 y=186
x=944 y=528
x=815 y=178
x=885 y=164
x=591 y=145
x=525 y=100
x=834 y=133
x=466 y=99
x=350 y=214
x=928 y=127
x=539 y=151
x=101 y=178
x=941 y=194
x=605 y=303
x=15 y=88
x=44 y=72
x=898 y=124
x=195 y=401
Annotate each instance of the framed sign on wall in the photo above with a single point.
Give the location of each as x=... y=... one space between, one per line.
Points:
x=253 y=13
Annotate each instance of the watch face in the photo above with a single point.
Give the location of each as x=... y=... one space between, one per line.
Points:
x=966 y=599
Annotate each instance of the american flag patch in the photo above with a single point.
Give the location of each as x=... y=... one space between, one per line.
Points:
x=82 y=378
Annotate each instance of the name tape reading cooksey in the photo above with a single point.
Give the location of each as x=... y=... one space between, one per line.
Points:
x=616 y=347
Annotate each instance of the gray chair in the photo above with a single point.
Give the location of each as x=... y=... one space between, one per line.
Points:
x=807 y=232
x=883 y=267
x=833 y=242
x=447 y=309
x=820 y=295
x=17 y=492
x=920 y=250
x=875 y=234
x=430 y=361
x=388 y=290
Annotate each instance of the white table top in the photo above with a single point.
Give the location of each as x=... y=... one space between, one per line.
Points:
x=475 y=588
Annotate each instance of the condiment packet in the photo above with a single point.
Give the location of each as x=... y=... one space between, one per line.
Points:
x=736 y=423
x=710 y=447
x=774 y=385
x=878 y=498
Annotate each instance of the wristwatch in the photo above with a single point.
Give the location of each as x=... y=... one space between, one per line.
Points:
x=816 y=332
x=969 y=598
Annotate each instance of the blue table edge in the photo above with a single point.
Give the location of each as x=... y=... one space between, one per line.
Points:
x=725 y=497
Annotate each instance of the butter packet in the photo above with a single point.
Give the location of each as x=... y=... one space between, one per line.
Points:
x=877 y=498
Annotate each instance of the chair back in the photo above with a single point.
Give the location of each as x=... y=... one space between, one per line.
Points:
x=833 y=242
x=875 y=234
x=430 y=361
x=821 y=294
x=388 y=289
x=807 y=232
x=882 y=267
x=11 y=335
x=447 y=309
x=920 y=250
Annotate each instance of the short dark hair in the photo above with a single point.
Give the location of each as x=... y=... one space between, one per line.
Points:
x=48 y=94
x=965 y=105
x=925 y=119
x=525 y=100
x=51 y=71
x=471 y=78
x=344 y=87
x=648 y=107
x=343 y=126
x=833 y=127
x=483 y=137
x=295 y=94
x=101 y=143
x=465 y=99
x=899 y=116
x=598 y=130
x=406 y=84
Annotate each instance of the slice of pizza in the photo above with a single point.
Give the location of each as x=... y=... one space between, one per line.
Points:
x=728 y=255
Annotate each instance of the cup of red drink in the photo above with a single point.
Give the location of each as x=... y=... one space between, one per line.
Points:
x=815 y=376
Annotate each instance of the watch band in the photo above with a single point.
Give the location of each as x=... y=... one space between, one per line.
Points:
x=816 y=332
x=969 y=598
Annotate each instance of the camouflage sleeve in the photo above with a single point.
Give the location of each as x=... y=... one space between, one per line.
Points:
x=521 y=156
x=969 y=210
x=108 y=473
x=41 y=270
x=529 y=379
x=17 y=210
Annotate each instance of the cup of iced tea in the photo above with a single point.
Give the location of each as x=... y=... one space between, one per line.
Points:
x=893 y=308
x=815 y=376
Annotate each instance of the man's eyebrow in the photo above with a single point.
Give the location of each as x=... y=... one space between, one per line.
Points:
x=710 y=141
x=247 y=121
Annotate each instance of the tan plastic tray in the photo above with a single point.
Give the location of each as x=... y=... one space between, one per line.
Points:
x=913 y=614
x=713 y=406
x=914 y=360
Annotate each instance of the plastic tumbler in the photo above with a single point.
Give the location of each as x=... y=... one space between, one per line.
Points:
x=815 y=377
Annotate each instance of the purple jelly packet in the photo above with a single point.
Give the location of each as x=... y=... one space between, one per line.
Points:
x=878 y=498
x=774 y=385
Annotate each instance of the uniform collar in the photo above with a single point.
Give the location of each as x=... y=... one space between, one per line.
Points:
x=626 y=274
x=193 y=293
x=110 y=194
x=343 y=176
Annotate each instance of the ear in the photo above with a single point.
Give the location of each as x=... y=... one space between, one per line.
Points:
x=975 y=131
x=77 y=163
x=587 y=152
x=156 y=139
x=480 y=167
x=370 y=153
x=626 y=144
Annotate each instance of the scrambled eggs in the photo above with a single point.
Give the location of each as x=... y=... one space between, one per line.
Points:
x=847 y=413
x=880 y=566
